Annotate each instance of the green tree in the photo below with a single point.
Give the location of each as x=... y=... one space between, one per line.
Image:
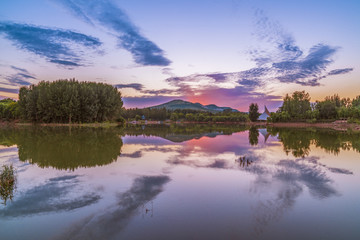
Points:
x=253 y=112
x=174 y=117
x=296 y=105
x=69 y=101
x=327 y=109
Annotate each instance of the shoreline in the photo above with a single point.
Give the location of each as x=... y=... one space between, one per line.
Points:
x=337 y=125
x=20 y=124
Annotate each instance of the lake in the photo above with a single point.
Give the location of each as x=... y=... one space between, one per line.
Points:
x=181 y=182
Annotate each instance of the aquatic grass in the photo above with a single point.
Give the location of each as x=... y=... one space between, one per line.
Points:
x=7 y=183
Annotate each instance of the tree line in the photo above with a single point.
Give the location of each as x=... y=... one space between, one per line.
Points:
x=162 y=114
x=70 y=101
x=297 y=107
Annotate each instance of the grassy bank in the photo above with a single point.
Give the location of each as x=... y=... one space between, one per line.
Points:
x=104 y=124
x=337 y=125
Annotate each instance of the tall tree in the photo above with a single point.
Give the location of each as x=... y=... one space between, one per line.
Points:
x=296 y=105
x=253 y=112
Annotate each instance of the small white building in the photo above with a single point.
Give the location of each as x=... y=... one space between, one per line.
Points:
x=264 y=115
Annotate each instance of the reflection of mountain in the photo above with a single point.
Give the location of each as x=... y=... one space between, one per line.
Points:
x=65 y=148
x=186 y=132
x=186 y=137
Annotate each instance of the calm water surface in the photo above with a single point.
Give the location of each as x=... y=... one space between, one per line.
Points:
x=181 y=182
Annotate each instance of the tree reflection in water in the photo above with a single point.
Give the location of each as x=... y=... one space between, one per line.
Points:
x=65 y=148
x=298 y=140
x=7 y=183
x=280 y=181
x=253 y=136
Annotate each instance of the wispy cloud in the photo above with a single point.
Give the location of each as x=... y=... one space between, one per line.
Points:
x=136 y=86
x=55 y=45
x=146 y=101
x=21 y=77
x=110 y=16
x=340 y=71
x=9 y=90
x=307 y=70
x=23 y=70
x=280 y=44
x=285 y=60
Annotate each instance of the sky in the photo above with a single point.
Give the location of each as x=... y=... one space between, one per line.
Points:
x=225 y=52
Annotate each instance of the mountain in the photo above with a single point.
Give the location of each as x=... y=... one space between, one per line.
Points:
x=180 y=104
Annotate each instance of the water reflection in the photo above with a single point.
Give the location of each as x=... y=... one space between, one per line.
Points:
x=7 y=183
x=115 y=218
x=64 y=148
x=253 y=136
x=298 y=141
x=53 y=196
x=183 y=132
x=225 y=179
x=244 y=162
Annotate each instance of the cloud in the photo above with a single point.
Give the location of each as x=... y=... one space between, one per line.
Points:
x=53 y=196
x=65 y=63
x=167 y=71
x=215 y=164
x=108 y=223
x=313 y=177
x=22 y=77
x=315 y=160
x=285 y=60
x=110 y=16
x=18 y=79
x=23 y=70
x=146 y=101
x=136 y=154
x=340 y=71
x=340 y=170
x=9 y=90
x=27 y=76
x=281 y=43
x=55 y=45
x=218 y=77
x=306 y=71
x=162 y=92
x=136 y=86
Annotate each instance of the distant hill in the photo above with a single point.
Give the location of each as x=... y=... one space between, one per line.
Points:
x=180 y=104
